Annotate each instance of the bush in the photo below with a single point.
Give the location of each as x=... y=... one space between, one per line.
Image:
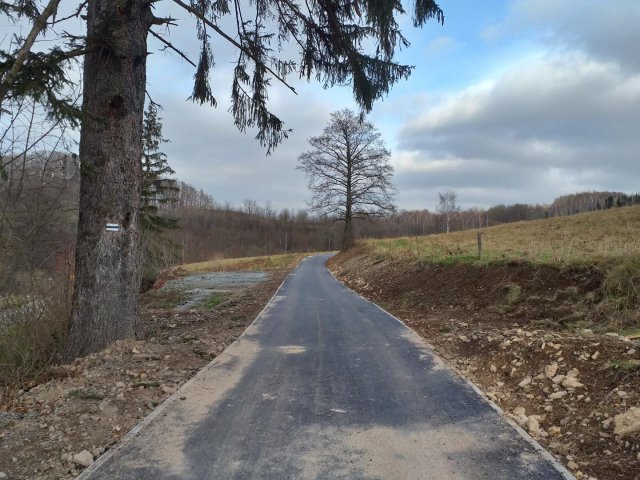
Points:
x=622 y=283
x=33 y=331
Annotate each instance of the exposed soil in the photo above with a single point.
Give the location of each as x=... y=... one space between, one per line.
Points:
x=92 y=403
x=500 y=326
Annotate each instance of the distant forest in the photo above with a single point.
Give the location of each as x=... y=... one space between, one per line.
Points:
x=39 y=207
x=209 y=228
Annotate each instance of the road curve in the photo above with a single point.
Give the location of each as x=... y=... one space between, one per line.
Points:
x=325 y=385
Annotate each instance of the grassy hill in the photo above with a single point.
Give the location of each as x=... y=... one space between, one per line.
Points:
x=267 y=262
x=602 y=237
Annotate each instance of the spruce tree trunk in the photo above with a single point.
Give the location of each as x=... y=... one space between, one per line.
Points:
x=108 y=262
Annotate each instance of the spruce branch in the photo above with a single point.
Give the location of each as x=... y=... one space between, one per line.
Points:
x=39 y=25
x=224 y=35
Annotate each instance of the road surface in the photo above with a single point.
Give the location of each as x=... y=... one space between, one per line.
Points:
x=325 y=385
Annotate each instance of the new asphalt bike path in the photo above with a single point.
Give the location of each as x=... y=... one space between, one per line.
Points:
x=326 y=385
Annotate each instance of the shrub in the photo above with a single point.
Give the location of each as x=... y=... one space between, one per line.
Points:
x=33 y=333
x=622 y=283
x=514 y=292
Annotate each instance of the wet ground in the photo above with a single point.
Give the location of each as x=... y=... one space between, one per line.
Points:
x=200 y=287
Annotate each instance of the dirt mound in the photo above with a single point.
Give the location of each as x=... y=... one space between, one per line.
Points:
x=507 y=292
x=533 y=339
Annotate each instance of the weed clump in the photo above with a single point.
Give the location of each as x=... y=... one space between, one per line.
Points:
x=33 y=335
x=513 y=291
x=165 y=298
x=622 y=283
x=85 y=394
x=215 y=299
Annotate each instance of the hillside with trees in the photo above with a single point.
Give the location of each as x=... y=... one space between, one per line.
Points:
x=39 y=208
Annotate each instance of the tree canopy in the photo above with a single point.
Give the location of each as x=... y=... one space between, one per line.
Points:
x=338 y=43
x=447 y=207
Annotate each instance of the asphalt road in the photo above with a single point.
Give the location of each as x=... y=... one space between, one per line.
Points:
x=325 y=385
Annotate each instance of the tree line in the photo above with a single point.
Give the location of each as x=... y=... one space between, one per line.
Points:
x=39 y=209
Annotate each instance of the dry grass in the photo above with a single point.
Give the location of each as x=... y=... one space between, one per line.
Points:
x=34 y=337
x=270 y=262
x=604 y=237
x=622 y=282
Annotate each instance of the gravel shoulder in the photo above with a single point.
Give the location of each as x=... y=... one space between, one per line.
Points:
x=55 y=429
x=533 y=340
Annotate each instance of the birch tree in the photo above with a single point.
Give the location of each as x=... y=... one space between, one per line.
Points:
x=447 y=208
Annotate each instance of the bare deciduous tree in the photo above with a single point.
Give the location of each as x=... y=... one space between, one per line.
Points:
x=447 y=207
x=37 y=191
x=349 y=172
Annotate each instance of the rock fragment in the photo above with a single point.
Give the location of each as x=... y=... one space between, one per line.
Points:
x=557 y=395
x=573 y=373
x=533 y=426
x=520 y=416
x=627 y=423
x=551 y=370
x=526 y=381
x=555 y=430
x=571 y=382
x=84 y=458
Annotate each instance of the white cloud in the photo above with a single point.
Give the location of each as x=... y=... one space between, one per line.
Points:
x=441 y=46
x=604 y=30
x=558 y=125
x=558 y=117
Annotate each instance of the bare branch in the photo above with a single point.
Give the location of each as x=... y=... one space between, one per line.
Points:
x=163 y=21
x=170 y=46
x=75 y=14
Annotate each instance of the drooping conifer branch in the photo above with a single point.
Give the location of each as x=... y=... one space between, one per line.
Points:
x=39 y=24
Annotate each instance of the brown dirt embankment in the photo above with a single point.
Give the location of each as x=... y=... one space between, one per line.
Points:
x=536 y=340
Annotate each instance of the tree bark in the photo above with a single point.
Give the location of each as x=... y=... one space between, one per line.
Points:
x=347 y=237
x=108 y=262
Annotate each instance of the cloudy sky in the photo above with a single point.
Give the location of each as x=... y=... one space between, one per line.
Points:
x=510 y=101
